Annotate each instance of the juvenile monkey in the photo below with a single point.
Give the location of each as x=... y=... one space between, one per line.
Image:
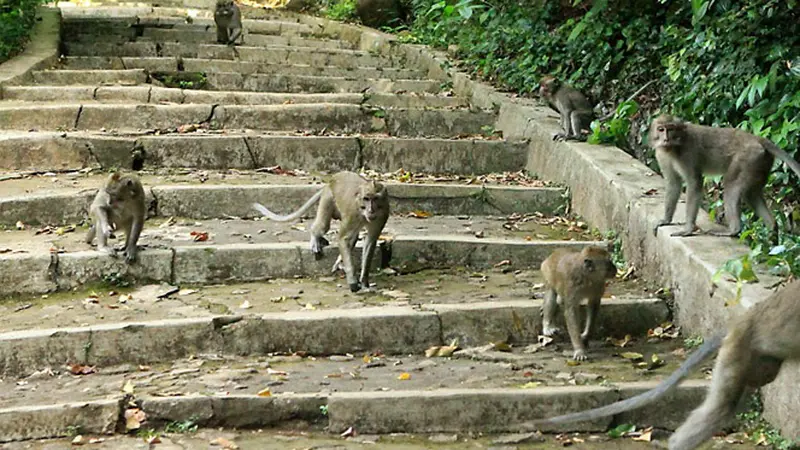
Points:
x=119 y=204
x=688 y=151
x=575 y=110
x=357 y=202
x=570 y=278
x=751 y=356
x=229 y=22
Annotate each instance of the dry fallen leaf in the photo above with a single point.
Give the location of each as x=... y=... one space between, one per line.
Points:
x=645 y=436
x=134 y=418
x=633 y=356
x=77 y=440
x=404 y=376
x=224 y=443
x=419 y=214
x=128 y=387
x=199 y=236
x=245 y=305
x=81 y=369
x=265 y=393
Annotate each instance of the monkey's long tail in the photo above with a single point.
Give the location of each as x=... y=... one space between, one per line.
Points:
x=293 y=216
x=709 y=346
x=783 y=156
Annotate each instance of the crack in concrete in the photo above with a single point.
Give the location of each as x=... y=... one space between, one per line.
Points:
x=94 y=93
x=250 y=151
x=78 y=117
x=90 y=148
x=358 y=162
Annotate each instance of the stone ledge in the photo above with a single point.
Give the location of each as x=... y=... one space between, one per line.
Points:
x=393 y=330
x=40 y=52
x=429 y=411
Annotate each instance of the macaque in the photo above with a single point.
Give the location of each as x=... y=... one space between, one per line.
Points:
x=571 y=277
x=574 y=108
x=687 y=151
x=229 y=22
x=358 y=203
x=750 y=356
x=119 y=204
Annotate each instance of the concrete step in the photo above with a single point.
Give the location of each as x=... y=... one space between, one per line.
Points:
x=52 y=332
x=207 y=35
x=132 y=22
x=74 y=151
x=92 y=77
x=69 y=204
x=39 y=263
x=152 y=94
x=270 y=55
x=332 y=118
x=243 y=68
x=229 y=81
x=311 y=436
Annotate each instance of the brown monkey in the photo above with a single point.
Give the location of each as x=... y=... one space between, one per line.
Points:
x=119 y=204
x=576 y=112
x=570 y=278
x=355 y=201
x=751 y=356
x=687 y=151
x=229 y=22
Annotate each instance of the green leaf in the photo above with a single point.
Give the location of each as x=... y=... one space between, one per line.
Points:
x=621 y=430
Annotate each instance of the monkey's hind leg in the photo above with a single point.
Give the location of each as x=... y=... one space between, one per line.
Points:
x=727 y=385
x=222 y=35
x=368 y=252
x=132 y=233
x=549 y=311
x=346 y=244
x=593 y=309
x=235 y=33
x=733 y=205
x=572 y=316
x=326 y=210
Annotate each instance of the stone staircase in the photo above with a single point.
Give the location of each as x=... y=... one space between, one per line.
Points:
x=245 y=329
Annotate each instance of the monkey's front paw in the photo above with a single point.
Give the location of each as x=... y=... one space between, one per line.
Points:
x=550 y=330
x=580 y=355
x=660 y=224
x=355 y=287
x=559 y=137
x=130 y=256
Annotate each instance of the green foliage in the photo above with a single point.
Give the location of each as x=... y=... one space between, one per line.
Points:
x=184 y=426
x=343 y=10
x=759 y=430
x=16 y=19
x=715 y=62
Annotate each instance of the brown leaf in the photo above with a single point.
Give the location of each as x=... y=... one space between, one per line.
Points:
x=199 y=236
x=81 y=369
x=224 y=443
x=419 y=214
x=134 y=417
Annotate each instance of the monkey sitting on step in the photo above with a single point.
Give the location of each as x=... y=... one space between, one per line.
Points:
x=751 y=356
x=119 y=204
x=228 y=18
x=570 y=278
x=575 y=110
x=357 y=202
x=687 y=151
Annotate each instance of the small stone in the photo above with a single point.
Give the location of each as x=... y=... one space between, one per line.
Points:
x=443 y=438
x=518 y=438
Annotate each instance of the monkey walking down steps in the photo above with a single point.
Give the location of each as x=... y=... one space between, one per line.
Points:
x=159 y=128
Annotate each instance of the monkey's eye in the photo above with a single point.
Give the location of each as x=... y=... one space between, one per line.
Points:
x=661 y=129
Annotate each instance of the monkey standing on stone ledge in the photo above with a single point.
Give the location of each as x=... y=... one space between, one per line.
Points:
x=228 y=18
x=119 y=204
x=687 y=151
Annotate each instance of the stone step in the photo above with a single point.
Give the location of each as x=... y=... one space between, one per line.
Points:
x=207 y=35
x=229 y=81
x=35 y=264
x=135 y=332
x=127 y=77
x=270 y=55
x=243 y=68
x=153 y=94
x=132 y=22
x=331 y=118
x=70 y=205
x=74 y=151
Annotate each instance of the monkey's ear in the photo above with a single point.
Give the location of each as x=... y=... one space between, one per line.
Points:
x=588 y=264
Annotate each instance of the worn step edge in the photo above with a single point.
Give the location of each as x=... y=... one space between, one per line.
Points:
x=156 y=95
x=218 y=201
x=411 y=122
x=419 y=411
x=55 y=151
x=40 y=272
x=391 y=329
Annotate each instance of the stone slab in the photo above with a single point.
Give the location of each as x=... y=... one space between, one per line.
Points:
x=46 y=421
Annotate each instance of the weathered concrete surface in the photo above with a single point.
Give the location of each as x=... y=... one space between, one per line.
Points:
x=291 y=83
x=43 y=152
x=390 y=329
x=41 y=51
x=54 y=420
x=89 y=77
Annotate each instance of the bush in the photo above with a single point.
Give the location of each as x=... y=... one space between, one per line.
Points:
x=16 y=19
x=715 y=62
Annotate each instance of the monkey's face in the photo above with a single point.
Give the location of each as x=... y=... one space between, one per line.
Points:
x=120 y=191
x=666 y=134
x=225 y=7
x=597 y=262
x=372 y=202
x=547 y=87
